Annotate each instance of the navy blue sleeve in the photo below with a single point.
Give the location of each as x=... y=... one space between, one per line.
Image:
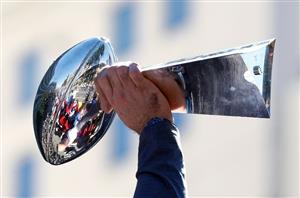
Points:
x=161 y=170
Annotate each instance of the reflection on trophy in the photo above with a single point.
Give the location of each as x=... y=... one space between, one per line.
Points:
x=67 y=117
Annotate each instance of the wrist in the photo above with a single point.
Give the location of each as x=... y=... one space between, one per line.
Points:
x=157 y=120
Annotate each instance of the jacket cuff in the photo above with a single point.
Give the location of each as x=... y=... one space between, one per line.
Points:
x=157 y=131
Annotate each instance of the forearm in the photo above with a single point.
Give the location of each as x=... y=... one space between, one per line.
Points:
x=160 y=162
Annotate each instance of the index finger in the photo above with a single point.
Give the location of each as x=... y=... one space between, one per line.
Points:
x=104 y=90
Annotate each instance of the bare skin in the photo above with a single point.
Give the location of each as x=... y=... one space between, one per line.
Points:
x=166 y=82
x=132 y=96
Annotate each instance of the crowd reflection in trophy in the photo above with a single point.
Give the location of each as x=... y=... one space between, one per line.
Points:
x=77 y=120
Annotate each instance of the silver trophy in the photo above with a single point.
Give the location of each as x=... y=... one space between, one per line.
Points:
x=67 y=117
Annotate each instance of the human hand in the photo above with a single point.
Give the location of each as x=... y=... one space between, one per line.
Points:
x=132 y=96
x=166 y=82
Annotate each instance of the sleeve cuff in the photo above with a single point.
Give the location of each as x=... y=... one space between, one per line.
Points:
x=157 y=131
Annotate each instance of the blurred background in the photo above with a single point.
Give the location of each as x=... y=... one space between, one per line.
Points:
x=224 y=156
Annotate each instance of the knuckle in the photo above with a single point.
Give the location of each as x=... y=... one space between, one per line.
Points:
x=133 y=73
x=111 y=71
x=100 y=79
x=122 y=71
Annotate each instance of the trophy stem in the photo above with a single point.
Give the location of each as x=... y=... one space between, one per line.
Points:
x=234 y=82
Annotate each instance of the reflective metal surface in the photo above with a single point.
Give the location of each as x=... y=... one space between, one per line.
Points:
x=234 y=82
x=67 y=118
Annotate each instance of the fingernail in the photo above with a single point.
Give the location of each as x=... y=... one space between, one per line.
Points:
x=133 y=67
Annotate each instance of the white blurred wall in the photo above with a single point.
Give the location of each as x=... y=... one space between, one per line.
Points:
x=225 y=156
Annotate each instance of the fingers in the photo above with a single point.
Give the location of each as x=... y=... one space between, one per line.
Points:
x=112 y=84
x=104 y=90
x=123 y=75
x=136 y=75
x=113 y=78
x=105 y=105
